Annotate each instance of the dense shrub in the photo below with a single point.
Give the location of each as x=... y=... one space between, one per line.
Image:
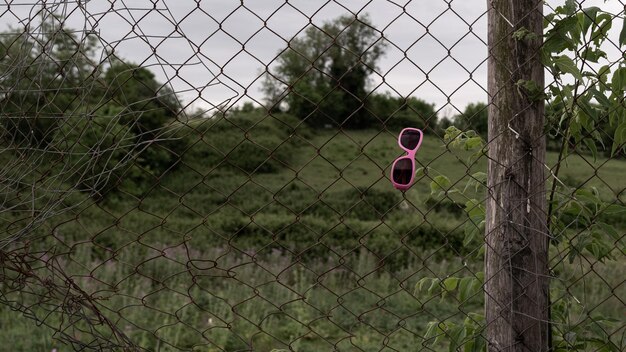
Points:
x=253 y=142
x=397 y=112
x=362 y=203
x=474 y=117
x=444 y=205
x=95 y=153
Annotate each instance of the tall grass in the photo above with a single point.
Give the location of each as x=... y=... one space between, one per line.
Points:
x=284 y=239
x=238 y=301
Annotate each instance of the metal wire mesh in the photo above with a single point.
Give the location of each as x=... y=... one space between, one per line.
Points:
x=214 y=176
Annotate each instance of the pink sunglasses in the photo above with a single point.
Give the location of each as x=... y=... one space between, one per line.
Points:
x=403 y=168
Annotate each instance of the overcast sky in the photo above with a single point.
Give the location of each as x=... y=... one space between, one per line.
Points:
x=203 y=58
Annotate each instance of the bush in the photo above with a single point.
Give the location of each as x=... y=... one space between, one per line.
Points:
x=398 y=112
x=95 y=153
x=474 y=117
x=444 y=205
x=363 y=204
x=250 y=142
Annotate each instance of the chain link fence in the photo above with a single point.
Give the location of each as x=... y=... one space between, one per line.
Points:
x=215 y=175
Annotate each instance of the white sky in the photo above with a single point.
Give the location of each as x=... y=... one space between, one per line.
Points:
x=207 y=66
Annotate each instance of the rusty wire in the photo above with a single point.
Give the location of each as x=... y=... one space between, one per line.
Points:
x=103 y=249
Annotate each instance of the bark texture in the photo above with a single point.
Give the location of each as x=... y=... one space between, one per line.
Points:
x=516 y=269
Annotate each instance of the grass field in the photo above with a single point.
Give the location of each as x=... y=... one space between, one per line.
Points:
x=284 y=236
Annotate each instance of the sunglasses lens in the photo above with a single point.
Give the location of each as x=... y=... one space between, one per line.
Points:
x=410 y=139
x=403 y=171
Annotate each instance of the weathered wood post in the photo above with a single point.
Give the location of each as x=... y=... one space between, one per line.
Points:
x=516 y=259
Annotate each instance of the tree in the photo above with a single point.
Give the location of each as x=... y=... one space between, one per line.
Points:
x=57 y=97
x=149 y=103
x=398 y=112
x=97 y=151
x=43 y=76
x=474 y=117
x=322 y=76
x=148 y=106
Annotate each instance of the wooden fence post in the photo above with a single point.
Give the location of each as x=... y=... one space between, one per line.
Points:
x=516 y=236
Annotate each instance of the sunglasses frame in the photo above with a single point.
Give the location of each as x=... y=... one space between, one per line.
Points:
x=410 y=155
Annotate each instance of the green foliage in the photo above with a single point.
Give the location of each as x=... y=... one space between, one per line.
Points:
x=43 y=77
x=261 y=188
x=148 y=104
x=592 y=103
x=531 y=90
x=148 y=108
x=523 y=34
x=467 y=140
x=580 y=331
x=321 y=77
x=397 y=113
x=60 y=94
x=466 y=336
x=253 y=143
x=364 y=204
x=473 y=118
x=582 y=102
x=97 y=152
x=285 y=223
x=585 y=211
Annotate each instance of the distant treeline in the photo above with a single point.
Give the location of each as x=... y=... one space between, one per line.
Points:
x=103 y=119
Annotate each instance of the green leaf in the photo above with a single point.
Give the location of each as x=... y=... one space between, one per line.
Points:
x=614 y=209
x=595 y=250
x=473 y=143
x=598 y=138
x=442 y=332
x=524 y=34
x=465 y=288
x=588 y=17
x=557 y=39
x=431 y=330
x=419 y=286
x=475 y=210
x=481 y=251
x=457 y=334
x=452 y=134
x=478 y=179
x=587 y=196
x=617 y=113
x=477 y=155
x=591 y=144
x=618 y=81
x=451 y=283
x=531 y=89
x=573 y=254
x=569 y=7
x=440 y=183
x=593 y=55
x=434 y=286
x=570 y=337
x=471 y=230
x=622 y=34
x=619 y=138
x=600 y=97
x=565 y=64
x=604 y=23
